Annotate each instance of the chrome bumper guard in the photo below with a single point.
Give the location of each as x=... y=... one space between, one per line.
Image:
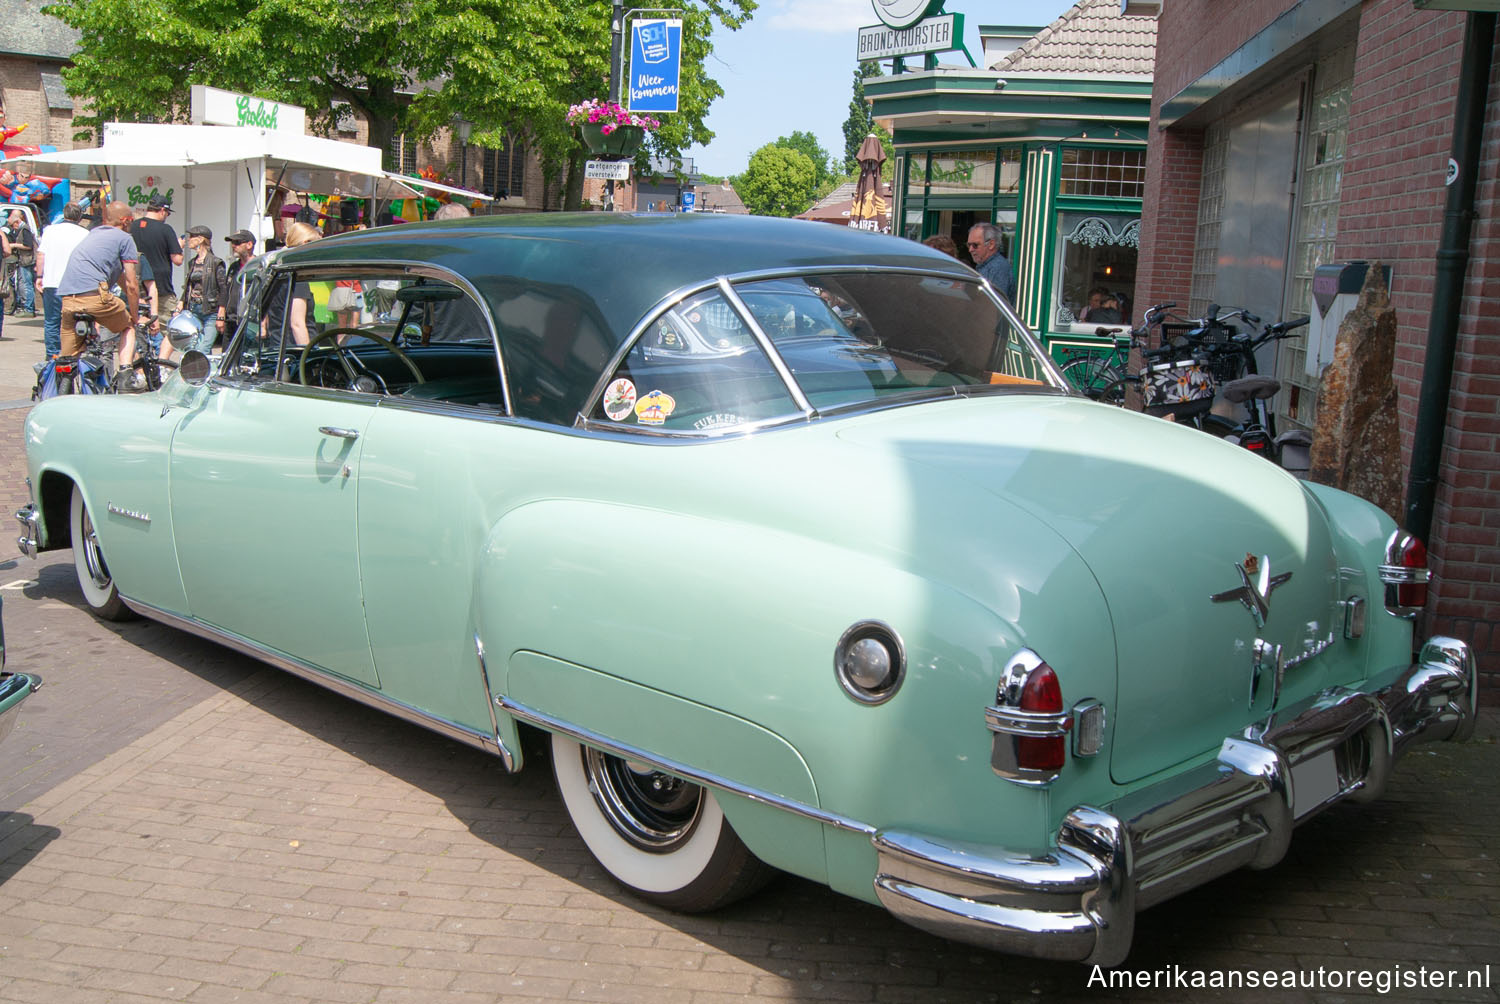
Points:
x=1078 y=901
x=31 y=530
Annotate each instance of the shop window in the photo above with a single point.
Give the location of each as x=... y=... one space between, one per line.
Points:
x=505 y=169
x=1095 y=273
x=962 y=172
x=1106 y=173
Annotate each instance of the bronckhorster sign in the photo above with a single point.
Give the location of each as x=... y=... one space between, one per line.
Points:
x=936 y=34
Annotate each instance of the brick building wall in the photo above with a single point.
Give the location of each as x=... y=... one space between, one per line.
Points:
x=1391 y=209
x=25 y=102
x=1169 y=217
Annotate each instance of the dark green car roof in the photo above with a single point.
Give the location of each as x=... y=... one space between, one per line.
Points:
x=616 y=266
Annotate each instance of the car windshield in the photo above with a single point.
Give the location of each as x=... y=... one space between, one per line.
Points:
x=847 y=340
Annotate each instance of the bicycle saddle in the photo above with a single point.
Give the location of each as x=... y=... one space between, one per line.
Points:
x=82 y=315
x=1250 y=387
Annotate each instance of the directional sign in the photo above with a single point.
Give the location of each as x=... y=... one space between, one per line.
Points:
x=655 y=64
x=607 y=170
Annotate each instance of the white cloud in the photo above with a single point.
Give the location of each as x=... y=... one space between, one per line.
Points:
x=818 y=15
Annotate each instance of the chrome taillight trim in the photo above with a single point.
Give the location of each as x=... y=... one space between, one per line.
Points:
x=1395 y=574
x=1034 y=724
x=1010 y=724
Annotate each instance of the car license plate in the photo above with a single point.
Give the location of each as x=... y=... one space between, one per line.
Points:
x=1314 y=782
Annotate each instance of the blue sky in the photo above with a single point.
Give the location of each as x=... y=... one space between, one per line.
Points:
x=792 y=68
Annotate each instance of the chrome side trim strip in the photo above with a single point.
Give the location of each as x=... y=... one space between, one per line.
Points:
x=628 y=752
x=333 y=682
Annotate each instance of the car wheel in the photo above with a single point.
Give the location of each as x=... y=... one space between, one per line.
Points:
x=663 y=838
x=93 y=573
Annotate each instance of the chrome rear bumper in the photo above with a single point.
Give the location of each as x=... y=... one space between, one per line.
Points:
x=1078 y=901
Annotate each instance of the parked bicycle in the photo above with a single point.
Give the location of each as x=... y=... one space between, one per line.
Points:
x=1093 y=372
x=1230 y=356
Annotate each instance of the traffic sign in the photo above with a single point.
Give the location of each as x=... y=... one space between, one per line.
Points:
x=607 y=170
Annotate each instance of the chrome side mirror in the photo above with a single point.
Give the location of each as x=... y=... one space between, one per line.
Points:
x=194 y=368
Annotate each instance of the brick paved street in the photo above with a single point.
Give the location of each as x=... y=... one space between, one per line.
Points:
x=179 y=823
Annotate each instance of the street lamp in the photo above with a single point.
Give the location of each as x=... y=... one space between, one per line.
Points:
x=465 y=128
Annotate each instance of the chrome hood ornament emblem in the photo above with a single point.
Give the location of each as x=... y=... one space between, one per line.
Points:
x=1258 y=584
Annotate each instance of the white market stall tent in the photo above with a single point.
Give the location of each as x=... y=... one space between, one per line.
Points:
x=218 y=176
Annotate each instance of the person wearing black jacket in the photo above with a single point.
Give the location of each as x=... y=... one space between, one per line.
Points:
x=242 y=243
x=204 y=286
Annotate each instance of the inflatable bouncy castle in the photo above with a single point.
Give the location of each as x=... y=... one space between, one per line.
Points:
x=18 y=184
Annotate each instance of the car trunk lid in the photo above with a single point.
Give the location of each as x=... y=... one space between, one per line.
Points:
x=1202 y=550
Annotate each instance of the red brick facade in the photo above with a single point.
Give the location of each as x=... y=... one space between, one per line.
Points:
x=1391 y=210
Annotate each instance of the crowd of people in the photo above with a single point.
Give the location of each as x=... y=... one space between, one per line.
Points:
x=127 y=272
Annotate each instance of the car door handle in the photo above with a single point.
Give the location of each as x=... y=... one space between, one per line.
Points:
x=331 y=430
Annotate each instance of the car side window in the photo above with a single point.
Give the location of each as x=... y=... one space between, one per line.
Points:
x=697 y=368
x=376 y=332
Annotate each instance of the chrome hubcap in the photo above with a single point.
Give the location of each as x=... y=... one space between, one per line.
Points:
x=652 y=810
x=93 y=558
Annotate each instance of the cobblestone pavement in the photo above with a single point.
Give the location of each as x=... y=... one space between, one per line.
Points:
x=179 y=823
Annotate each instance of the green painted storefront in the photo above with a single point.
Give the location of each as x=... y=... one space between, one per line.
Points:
x=1059 y=164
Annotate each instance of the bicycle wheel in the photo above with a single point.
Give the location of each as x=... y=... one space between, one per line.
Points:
x=1092 y=374
x=1113 y=393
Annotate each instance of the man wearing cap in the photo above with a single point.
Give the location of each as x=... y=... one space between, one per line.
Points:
x=203 y=285
x=158 y=244
x=242 y=244
x=106 y=255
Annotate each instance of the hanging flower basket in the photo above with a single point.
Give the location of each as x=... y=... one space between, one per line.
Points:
x=621 y=141
x=609 y=130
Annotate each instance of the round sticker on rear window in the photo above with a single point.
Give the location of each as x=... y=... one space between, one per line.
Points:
x=619 y=400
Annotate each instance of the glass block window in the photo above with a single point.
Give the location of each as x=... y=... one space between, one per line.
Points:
x=1210 y=217
x=1114 y=174
x=1317 y=228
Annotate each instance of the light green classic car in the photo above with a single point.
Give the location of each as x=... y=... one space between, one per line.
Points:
x=792 y=541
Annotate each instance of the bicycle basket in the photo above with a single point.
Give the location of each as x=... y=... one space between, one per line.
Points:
x=1182 y=381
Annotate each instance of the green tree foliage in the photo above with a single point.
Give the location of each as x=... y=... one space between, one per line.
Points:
x=508 y=66
x=859 y=124
x=779 y=181
x=807 y=143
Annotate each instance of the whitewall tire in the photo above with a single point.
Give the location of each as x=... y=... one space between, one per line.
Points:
x=94 y=579
x=665 y=839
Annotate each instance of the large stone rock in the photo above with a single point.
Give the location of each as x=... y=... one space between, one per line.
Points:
x=1357 y=441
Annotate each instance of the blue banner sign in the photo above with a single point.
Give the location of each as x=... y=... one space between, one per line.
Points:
x=689 y=199
x=655 y=64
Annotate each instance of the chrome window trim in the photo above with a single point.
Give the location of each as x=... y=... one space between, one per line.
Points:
x=727 y=290
x=405 y=266
x=675 y=297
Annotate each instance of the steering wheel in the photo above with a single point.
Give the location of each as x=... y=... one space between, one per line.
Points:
x=338 y=351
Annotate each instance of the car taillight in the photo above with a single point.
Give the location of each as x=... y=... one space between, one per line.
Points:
x=1041 y=694
x=1030 y=725
x=1405 y=574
